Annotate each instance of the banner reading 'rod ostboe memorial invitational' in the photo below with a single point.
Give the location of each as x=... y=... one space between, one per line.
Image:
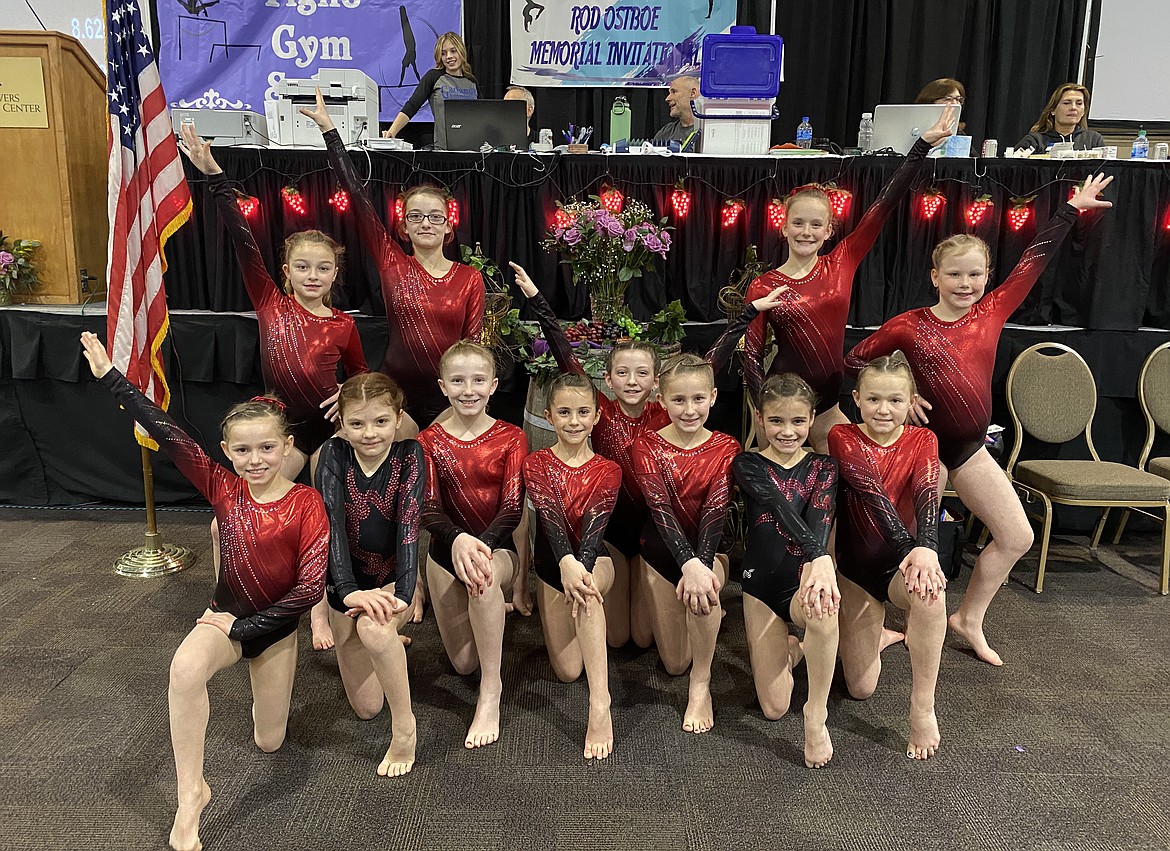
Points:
x=230 y=54
x=564 y=43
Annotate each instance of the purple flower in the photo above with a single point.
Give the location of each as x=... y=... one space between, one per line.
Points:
x=653 y=243
x=6 y=258
x=572 y=236
x=614 y=227
x=665 y=237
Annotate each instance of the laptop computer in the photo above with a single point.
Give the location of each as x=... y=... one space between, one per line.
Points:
x=899 y=125
x=471 y=123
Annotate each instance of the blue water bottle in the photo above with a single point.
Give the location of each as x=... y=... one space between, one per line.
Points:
x=804 y=134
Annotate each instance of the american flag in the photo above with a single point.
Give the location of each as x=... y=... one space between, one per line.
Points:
x=148 y=201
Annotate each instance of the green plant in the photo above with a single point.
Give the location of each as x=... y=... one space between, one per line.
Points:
x=486 y=266
x=17 y=270
x=666 y=326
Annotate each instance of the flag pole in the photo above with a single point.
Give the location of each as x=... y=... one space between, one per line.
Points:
x=154 y=558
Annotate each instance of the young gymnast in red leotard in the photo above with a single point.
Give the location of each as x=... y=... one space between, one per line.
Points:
x=951 y=347
x=809 y=323
x=574 y=492
x=373 y=487
x=302 y=338
x=474 y=500
x=684 y=473
x=274 y=536
x=887 y=542
x=632 y=374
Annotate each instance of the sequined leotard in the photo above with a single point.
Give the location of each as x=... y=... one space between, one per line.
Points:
x=810 y=323
x=789 y=512
x=574 y=505
x=299 y=351
x=273 y=554
x=473 y=486
x=616 y=432
x=889 y=503
x=374 y=520
x=953 y=361
x=687 y=492
x=426 y=315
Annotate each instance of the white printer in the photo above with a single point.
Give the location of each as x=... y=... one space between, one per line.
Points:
x=223 y=126
x=350 y=96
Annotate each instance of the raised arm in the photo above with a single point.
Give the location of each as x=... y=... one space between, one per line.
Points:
x=858 y=243
x=209 y=478
x=312 y=561
x=558 y=343
x=370 y=226
x=511 y=505
x=262 y=290
x=754 y=478
x=1008 y=296
x=863 y=478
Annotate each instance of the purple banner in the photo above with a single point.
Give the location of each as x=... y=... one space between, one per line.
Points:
x=230 y=54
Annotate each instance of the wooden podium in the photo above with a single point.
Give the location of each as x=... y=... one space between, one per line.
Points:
x=53 y=179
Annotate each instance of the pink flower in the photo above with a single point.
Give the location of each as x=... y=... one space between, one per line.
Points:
x=6 y=258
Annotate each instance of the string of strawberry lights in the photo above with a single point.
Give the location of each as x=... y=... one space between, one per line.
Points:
x=928 y=202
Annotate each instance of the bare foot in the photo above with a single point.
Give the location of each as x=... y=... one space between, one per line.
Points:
x=795 y=651
x=405 y=639
x=924 y=736
x=185 y=830
x=399 y=757
x=974 y=636
x=818 y=747
x=599 y=733
x=700 y=715
x=418 y=605
x=890 y=637
x=485 y=725
x=322 y=634
x=521 y=601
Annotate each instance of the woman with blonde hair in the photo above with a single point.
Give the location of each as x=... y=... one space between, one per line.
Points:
x=450 y=79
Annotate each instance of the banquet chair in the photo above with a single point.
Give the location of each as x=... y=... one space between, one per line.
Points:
x=1154 y=397
x=1053 y=398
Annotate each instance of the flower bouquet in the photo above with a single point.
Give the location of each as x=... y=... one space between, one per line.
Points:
x=607 y=250
x=17 y=271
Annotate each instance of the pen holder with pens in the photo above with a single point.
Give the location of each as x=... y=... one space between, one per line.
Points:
x=578 y=148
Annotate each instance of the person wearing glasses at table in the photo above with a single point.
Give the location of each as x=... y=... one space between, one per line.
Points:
x=945 y=91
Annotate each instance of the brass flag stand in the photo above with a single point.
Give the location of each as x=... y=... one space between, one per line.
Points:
x=154 y=558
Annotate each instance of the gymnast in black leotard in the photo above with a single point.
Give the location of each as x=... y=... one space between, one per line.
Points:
x=788 y=574
x=373 y=489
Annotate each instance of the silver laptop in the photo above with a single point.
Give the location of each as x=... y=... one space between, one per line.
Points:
x=899 y=125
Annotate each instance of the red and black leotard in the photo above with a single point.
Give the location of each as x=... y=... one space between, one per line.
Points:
x=953 y=361
x=273 y=554
x=374 y=520
x=810 y=323
x=687 y=492
x=789 y=514
x=890 y=502
x=574 y=505
x=299 y=351
x=473 y=486
x=616 y=432
x=425 y=315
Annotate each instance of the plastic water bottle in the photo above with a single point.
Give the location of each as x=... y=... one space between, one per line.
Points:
x=1141 y=146
x=865 y=132
x=804 y=134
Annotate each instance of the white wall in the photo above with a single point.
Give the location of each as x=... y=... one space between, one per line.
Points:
x=1130 y=82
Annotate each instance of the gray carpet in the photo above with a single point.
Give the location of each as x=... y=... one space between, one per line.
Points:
x=1063 y=748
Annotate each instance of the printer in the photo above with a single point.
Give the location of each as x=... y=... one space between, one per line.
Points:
x=223 y=126
x=350 y=96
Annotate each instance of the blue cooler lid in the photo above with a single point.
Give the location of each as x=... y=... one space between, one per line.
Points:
x=741 y=64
